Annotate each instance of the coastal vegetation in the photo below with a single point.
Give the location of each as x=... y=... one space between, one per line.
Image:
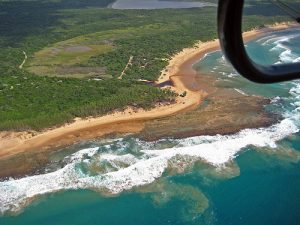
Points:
x=77 y=50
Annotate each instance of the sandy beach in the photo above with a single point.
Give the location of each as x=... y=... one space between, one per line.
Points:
x=179 y=71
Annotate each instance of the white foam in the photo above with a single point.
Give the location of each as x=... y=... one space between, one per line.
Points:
x=118 y=161
x=231 y=75
x=286 y=55
x=78 y=156
x=148 y=166
x=296 y=60
x=206 y=55
x=275 y=99
x=263 y=39
x=240 y=91
x=272 y=40
x=278 y=39
x=215 y=150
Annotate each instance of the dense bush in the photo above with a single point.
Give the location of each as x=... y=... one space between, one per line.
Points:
x=29 y=101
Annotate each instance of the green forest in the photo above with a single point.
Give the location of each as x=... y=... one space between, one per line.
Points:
x=77 y=49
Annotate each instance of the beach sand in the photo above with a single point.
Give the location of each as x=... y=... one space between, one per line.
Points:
x=179 y=71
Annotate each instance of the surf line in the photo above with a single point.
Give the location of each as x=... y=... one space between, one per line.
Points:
x=25 y=58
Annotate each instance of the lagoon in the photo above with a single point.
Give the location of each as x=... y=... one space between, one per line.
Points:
x=156 y=4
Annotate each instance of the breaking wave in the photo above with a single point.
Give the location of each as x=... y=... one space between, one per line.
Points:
x=95 y=169
x=112 y=171
x=284 y=47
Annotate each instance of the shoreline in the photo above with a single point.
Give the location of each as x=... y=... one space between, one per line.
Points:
x=179 y=71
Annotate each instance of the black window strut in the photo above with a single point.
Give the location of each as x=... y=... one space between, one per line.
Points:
x=230 y=14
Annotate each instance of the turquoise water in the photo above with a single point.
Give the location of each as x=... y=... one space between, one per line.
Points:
x=252 y=177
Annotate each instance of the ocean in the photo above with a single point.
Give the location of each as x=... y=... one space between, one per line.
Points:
x=251 y=177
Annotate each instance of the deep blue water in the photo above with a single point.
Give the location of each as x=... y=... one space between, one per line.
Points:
x=250 y=178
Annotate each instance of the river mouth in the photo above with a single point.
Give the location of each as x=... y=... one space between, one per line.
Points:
x=156 y=4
